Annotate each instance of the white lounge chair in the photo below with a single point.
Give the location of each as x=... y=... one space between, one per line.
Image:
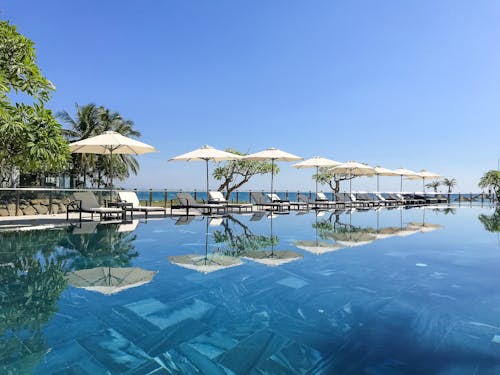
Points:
x=131 y=197
x=218 y=198
x=86 y=201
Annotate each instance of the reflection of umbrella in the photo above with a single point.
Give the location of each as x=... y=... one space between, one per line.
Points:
x=381 y=171
x=110 y=143
x=273 y=258
x=424 y=227
x=206 y=153
x=353 y=169
x=110 y=280
x=353 y=238
x=273 y=154
x=424 y=175
x=404 y=172
x=317 y=162
x=205 y=263
x=317 y=247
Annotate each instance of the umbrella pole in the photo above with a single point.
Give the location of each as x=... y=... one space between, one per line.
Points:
x=377 y=182
x=272 y=177
x=206 y=162
x=401 y=184
x=206 y=242
x=423 y=185
x=317 y=171
x=350 y=183
x=111 y=175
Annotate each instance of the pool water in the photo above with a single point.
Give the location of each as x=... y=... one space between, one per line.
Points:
x=402 y=291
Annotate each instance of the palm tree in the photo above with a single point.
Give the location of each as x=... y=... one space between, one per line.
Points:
x=491 y=180
x=92 y=120
x=449 y=183
x=433 y=185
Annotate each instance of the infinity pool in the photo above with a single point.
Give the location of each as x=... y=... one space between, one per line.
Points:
x=408 y=291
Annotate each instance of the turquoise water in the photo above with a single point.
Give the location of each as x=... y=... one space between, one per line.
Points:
x=411 y=291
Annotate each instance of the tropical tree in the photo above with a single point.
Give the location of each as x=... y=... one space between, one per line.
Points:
x=433 y=185
x=325 y=176
x=91 y=120
x=491 y=180
x=236 y=173
x=491 y=222
x=449 y=183
x=30 y=137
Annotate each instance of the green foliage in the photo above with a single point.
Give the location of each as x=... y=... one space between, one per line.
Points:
x=236 y=173
x=92 y=120
x=491 y=222
x=30 y=137
x=326 y=176
x=434 y=185
x=449 y=183
x=491 y=180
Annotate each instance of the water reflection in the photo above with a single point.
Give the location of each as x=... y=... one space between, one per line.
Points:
x=491 y=223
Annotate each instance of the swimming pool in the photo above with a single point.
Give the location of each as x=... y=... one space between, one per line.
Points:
x=402 y=291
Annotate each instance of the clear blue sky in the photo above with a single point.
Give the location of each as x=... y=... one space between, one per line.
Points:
x=392 y=83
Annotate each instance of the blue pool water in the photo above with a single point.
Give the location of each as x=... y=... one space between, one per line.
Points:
x=411 y=291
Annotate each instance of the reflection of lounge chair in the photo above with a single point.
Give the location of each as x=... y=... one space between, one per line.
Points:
x=184 y=220
x=260 y=201
x=186 y=200
x=258 y=216
x=128 y=226
x=87 y=202
x=216 y=197
x=131 y=197
x=88 y=227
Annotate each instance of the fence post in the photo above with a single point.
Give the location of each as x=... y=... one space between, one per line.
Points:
x=17 y=202
x=237 y=196
x=286 y=194
x=249 y=196
x=195 y=195
x=310 y=194
x=150 y=197
x=165 y=198
x=50 y=201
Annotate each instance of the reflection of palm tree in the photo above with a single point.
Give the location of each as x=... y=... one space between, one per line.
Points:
x=239 y=244
x=32 y=280
x=491 y=222
x=104 y=248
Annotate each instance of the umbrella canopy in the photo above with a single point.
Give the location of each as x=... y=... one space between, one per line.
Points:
x=354 y=238
x=316 y=162
x=205 y=264
x=353 y=168
x=381 y=171
x=273 y=154
x=424 y=227
x=273 y=258
x=110 y=143
x=317 y=247
x=404 y=172
x=424 y=175
x=110 y=280
x=205 y=154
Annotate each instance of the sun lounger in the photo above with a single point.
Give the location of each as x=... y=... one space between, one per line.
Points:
x=216 y=197
x=385 y=202
x=314 y=204
x=260 y=201
x=321 y=198
x=276 y=199
x=131 y=197
x=86 y=201
x=365 y=199
x=186 y=200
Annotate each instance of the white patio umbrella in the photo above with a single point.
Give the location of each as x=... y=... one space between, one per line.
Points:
x=424 y=175
x=404 y=172
x=110 y=280
x=110 y=143
x=353 y=168
x=273 y=154
x=381 y=171
x=316 y=162
x=205 y=154
x=205 y=263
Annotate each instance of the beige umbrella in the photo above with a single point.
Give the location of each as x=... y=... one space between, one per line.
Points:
x=353 y=169
x=273 y=258
x=353 y=238
x=404 y=172
x=110 y=143
x=273 y=154
x=316 y=162
x=110 y=280
x=206 y=153
x=205 y=263
x=424 y=175
x=381 y=171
